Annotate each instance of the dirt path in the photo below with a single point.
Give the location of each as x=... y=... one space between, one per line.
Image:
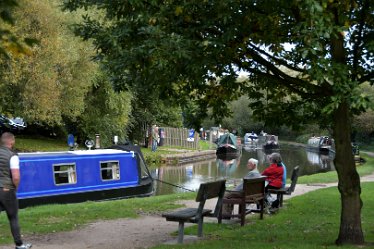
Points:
x=144 y=232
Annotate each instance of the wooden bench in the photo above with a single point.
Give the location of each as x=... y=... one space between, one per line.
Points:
x=286 y=190
x=196 y=215
x=253 y=193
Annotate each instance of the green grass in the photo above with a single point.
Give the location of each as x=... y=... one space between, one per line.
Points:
x=40 y=144
x=308 y=221
x=367 y=147
x=331 y=176
x=56 y=218
x=206 y=145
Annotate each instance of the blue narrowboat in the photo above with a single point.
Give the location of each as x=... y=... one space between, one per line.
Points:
x=83 y=175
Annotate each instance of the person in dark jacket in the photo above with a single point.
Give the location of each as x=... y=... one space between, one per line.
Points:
x=9 y=181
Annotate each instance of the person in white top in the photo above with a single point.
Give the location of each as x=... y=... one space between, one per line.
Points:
x=9 y=181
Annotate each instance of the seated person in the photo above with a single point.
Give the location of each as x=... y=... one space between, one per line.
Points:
x=274 y=174
x=252 y=173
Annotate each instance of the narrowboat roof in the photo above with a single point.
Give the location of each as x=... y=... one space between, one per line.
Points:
x=74 y=153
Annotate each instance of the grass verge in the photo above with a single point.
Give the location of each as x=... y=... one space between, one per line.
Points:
x=309 y=221
x=39 y=144
x=331 y=176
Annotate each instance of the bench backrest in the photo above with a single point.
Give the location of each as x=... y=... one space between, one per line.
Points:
x=294 y=176
x=254 y=187
x=211 y=190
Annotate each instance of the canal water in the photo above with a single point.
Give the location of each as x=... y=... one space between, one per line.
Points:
x=186 y=177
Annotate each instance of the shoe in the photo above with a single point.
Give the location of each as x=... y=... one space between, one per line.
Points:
x=275 y=204
x=24 y=246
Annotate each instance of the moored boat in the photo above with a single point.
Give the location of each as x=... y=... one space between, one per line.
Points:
x=227 y=145
x=250 y=139
x=269 y=142
x=83 y=175
x=323 y=144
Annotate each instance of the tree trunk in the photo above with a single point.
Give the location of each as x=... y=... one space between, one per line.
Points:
x=349 y=181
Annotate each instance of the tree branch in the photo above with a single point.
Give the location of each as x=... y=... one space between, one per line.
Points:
x=277 y=60
x=292 y=83
x=356 y=46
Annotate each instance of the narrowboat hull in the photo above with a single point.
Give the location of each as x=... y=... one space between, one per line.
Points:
x=226 y=150
x=228 y=155
x=268 y=142
x=271 y=146
x=78 y=176
x=142 y=190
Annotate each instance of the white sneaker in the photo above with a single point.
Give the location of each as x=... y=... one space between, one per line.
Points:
x=24 y=246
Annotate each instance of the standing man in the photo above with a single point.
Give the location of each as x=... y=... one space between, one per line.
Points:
x=154 y=137
x=9 y=181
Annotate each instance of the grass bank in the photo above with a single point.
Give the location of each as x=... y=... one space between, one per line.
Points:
x=309 y=221
x=331 y=176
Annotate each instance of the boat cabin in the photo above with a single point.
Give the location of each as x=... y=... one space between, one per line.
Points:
x=82 y=175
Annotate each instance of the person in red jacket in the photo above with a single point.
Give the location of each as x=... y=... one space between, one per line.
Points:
x=274 y=173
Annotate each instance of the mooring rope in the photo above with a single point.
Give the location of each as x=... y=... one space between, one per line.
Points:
x=174 y=185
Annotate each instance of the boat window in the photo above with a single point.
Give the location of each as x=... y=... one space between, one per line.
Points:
x=65 y=174
x=109 y=170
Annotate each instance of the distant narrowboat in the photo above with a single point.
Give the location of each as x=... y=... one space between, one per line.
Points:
x=83 y=175
x=268 y=142
x=323 y=144
x=228 y=147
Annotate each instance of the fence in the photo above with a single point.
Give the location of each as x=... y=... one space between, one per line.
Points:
x=178 y=137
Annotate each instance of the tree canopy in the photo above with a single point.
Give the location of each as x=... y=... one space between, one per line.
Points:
x=184 y=47
x=52 y=80
x=10 y=42
x=304 y=61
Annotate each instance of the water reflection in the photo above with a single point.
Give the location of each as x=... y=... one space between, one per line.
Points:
x=322 y=160
x=227 y=167
x=189 y=176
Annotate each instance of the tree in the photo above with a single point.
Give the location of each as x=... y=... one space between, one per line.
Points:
x=185 y=46
x=242 y=118
x=363 y=124
x=49 y=84
x=106 y=113
x=9 y=42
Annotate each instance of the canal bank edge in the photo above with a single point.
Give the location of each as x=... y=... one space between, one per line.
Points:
x=184 y=156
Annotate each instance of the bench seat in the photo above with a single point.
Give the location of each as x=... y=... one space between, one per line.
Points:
x=196 y=215
x=187 y=214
